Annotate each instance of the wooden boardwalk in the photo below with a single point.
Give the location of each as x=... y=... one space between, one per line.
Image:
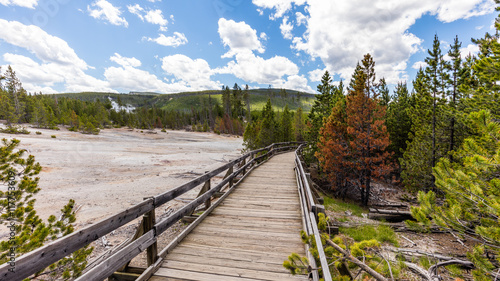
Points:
x=249 y=235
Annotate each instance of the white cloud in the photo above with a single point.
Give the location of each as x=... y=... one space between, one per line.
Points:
x=151 y=16
x=252 y=68
x=123 y=61
x=239 y=37
x=22 y=3
x=298 y=83
x=172 y=41
x=263 y=36
x=286 y=28
x=242 y=41
x=280 y=6
x=44 y=46
x=130 y=78
x=44 y=76
x=419 y=64
x=471 y=49
x=315 y=75
x=106 y=11
x=378 y=27
x=195 y=74
x=301 y=19
x=156 y=17
x=136 y=10
x=59 y=62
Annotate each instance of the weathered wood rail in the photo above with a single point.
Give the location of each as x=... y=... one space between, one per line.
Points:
x=311 y=207
x=31 y=263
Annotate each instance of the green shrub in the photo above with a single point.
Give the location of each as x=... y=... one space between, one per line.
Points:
x=15 y=130
x=53 y=136
x=38 y=132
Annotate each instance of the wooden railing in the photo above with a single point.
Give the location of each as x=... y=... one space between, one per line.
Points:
x=32 y=262
x=311 y=207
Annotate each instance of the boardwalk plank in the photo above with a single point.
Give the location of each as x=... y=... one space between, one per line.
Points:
x=248 y=236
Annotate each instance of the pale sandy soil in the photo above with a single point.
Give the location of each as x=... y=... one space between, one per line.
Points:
x=116 y=169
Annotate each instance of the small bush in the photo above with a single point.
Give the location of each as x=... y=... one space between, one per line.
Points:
x=53 y=136
x=163 y=130
x=15 y=130
x=38 y=132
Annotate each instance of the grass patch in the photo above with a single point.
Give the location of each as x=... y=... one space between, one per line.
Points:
x=381 y=233
x=337 y=205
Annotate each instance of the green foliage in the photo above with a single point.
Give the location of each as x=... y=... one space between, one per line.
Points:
x=381 y=233
x=471 y=188
x=15 y=130
x=363 y=242
x=53 y=136
x=18 y=175
x=337 y=205
x=353 y=140
x=398 y=121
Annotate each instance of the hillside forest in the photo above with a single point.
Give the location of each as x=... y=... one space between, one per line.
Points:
x=438 y=137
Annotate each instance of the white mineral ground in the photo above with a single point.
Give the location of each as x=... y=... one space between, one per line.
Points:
x=116 y=169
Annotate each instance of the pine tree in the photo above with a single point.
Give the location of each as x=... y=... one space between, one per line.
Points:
x=416 y=164
x=18 y=173
x=398 y=121
x=268 y=132
x=472 y=193
x=385 y=98
x=246 y=97
x=286 y=127
x=437 y=82
x=453 y=101
x=299 y=125
x=321 y=109
x=356 y=140
x=487 y=71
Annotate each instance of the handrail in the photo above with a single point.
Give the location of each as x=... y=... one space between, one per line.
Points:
x=309 y=209
x=36 y=260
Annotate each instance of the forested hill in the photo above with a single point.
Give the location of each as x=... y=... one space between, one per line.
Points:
x=186 y=101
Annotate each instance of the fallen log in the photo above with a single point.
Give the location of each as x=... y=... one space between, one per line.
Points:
x=389 y=215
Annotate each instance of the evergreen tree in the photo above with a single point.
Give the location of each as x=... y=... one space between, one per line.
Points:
x=19 y=172
x=385 y=98
x=268 y=133
x=472 y=193
x=246 y=97
x=321 y=109
x=286 y=127
x=487 y=71
x=357 y=141
x=226 y=100
x=299 y=125
x=398 y=121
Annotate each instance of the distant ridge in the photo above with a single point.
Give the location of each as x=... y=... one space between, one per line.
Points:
x=186 y=101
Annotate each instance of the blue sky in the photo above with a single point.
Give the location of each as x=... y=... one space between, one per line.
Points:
x=171 y=46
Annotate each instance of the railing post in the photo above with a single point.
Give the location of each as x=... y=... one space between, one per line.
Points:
x=229 y=173
x=243 y=164
x=206 y=188
x=316 y=208
x=149 y=220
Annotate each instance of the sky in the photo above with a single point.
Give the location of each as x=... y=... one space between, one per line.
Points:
x=167 y=46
